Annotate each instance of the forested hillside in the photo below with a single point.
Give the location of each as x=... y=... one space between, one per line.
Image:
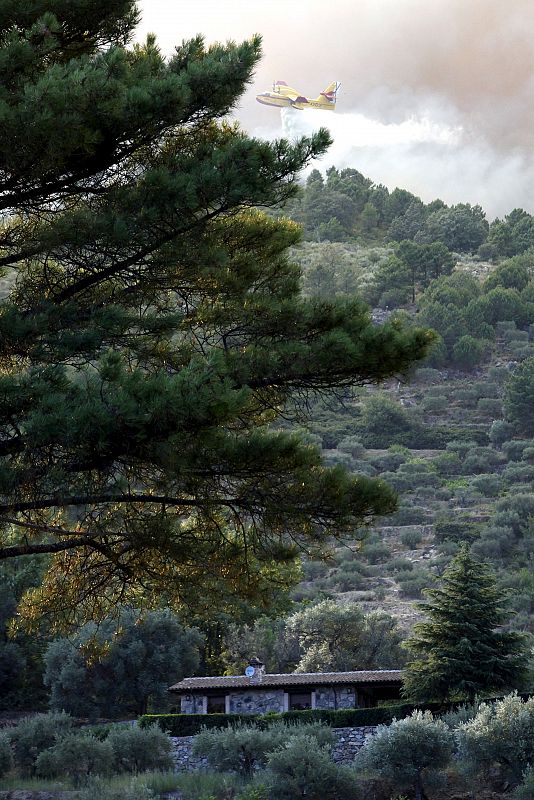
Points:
x=454 y=438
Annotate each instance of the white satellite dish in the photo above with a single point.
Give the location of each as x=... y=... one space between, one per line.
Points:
x=249 y=672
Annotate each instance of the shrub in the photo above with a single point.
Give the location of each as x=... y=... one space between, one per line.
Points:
x=140 y=749
x=500 y=432
x=409 y=515
x=6 y=756
x=515 y=336
x=513 y=449
x=409 y=751
x=303 y=768
x=352 y=446
x=427 y=375
x=435 y=404
x=35 y=734
x=387 y=462
x=448 y=463
x=456 y=530
x=498 y=374
x=468 y=352
x=400 y=565
x=244 y=748
x=191 y=724
x=465 y=397
x=526 y=790
x=481 y=459
x=411 y=538
x=462 y=713
x=515 y=511
x=375 y=552
x=487 y=389
x=76 y=755
x=505 y=325
x=461 y=447
x=502 y=734
x=411 y=585
x=488 y=485
x=489 y=406
x=518 y=472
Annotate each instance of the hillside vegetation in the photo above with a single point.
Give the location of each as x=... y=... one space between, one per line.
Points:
x=448 y=438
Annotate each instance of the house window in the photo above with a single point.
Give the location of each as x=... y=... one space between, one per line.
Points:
x=299 y=701
x=216 y=704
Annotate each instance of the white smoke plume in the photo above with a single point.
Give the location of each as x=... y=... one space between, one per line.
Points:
x=428 y=158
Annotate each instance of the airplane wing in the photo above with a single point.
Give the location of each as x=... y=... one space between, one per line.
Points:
x=287 y=91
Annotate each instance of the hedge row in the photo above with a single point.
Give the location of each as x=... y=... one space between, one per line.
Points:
x=191 y=724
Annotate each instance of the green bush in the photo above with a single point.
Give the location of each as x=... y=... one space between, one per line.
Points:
x=447 y=463
x=78 y=756
x=388 y=461
x=245 y=748
x=488 y=485
x=409 y=751
x=461 y=447
x=526 y=789
x=427 y=375
x=6 y=756
x=140 y=749
x=518 y=472
x=35 y=734
x=456 y=530
x=409 y=515
x=375 y=552
x=502 y=734
x=489 y=406
x=192 y=724
x=435 y=404
x=514 y=448
x=303 y=768
x=465 y=397
x=411 y=538
x=351 y=445
x=411 y=584
x=500 y=432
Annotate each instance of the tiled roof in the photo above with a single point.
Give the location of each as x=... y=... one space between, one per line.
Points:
x=292 y=679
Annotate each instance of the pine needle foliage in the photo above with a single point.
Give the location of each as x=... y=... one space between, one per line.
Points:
x=152 y=328
x=463 y=650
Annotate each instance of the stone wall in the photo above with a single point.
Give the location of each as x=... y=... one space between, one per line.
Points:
x=347 y=743
x=259 y=701
x=333 y=697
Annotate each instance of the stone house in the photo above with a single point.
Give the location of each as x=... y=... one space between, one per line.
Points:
x=258 y=692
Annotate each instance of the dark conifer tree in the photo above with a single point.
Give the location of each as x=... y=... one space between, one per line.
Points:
x=462 y=648
x=151 y=328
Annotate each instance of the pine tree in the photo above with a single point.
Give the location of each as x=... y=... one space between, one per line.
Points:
x=463 y=652
x=151 y=327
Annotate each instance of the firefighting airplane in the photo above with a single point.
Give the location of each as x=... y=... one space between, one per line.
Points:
x=283 y=96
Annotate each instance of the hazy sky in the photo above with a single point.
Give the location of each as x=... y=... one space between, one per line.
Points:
x=436 y=97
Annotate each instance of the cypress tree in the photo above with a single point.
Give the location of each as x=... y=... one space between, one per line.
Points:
x=151 y=326
x=463 y=650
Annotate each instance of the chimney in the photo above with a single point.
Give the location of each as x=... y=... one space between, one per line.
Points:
x=255 y=670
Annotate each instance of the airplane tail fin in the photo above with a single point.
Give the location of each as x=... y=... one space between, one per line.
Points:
x=329 y=95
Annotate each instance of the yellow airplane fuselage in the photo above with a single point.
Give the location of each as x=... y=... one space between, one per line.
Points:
x=279 y=101
x=283 y=96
